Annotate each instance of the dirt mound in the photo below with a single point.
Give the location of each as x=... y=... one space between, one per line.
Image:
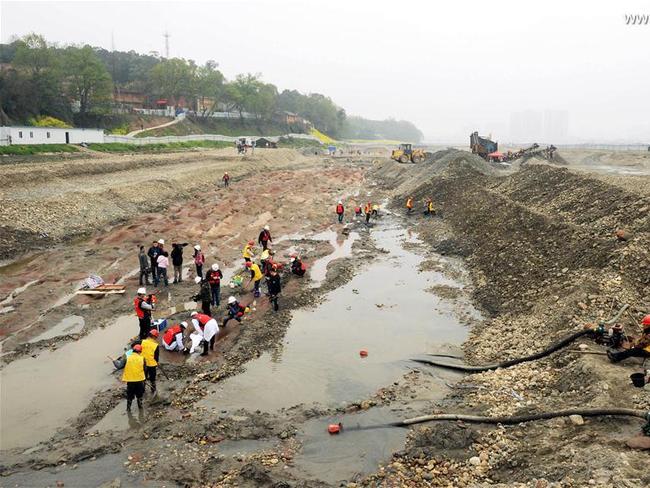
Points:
x=50 y=201
x=541 y=247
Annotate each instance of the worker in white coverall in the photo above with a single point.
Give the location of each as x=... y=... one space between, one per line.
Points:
x=208 y=328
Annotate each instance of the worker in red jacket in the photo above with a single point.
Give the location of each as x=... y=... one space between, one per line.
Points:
x=265 y=237
x=144 y=304
x=173 y=337
x=340 y=210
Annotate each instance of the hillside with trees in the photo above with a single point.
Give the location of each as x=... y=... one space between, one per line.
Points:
x=86 y=86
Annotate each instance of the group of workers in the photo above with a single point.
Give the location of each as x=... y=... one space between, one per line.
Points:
x=156 y=261
x=429 y=210
x=142 y=359
x=369 y=209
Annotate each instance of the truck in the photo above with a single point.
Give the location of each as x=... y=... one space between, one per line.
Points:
x=482 y=145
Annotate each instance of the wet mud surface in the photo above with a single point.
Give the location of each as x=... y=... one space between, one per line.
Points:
x=266 y=395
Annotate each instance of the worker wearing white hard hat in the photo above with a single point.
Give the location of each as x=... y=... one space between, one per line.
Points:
x=214 y=276
x=265 y=237
x=143 y=304
x=203 y=294
x=199 y=260
x=235 y=311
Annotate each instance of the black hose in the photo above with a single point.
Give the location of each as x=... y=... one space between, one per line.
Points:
x=517 y=419
x=510 y=420
x=511 y=362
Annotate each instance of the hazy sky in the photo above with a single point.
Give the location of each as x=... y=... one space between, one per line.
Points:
x=447 y=66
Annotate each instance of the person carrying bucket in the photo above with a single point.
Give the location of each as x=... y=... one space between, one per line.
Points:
x=134 y=377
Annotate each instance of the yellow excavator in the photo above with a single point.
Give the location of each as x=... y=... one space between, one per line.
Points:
x=406 y=154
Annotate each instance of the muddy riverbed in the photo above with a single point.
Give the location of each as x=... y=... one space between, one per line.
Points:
x=366 y=289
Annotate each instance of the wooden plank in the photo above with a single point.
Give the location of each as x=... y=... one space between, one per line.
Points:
x=100 y=292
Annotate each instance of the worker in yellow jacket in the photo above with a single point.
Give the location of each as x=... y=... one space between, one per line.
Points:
x=150 y=353
x=256 y=277
x=134 y=377
x=248 y=252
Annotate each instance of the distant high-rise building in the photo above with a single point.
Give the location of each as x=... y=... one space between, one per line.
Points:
x=526 y=126
x=556 y=126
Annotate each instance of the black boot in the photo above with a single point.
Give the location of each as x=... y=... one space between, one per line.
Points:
x=205 y=348
x=128 y=405
x=139 y=403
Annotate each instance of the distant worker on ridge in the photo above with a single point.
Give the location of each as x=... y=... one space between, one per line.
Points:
x=340 y=210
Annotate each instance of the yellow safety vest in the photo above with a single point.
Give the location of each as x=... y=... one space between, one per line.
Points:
x=149 y=347
x=257 y=273
x=134 y=369
x=247 y=253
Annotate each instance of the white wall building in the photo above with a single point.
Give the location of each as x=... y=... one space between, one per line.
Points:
x=48 y=135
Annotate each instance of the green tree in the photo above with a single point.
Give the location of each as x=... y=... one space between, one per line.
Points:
x=36 y=81
x=249 y=94
x=174 y=78
x=209 y=85
x=88 y=80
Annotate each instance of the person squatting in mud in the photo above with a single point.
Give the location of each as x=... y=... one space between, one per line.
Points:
x=150 y=353
x=134 y=376
x=173 y=338
x=235 y=311
x=208 y=328
x=297 y=266
x=144 y=304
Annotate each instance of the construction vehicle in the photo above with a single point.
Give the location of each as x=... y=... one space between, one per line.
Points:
x=406 y=154
x=482 y=145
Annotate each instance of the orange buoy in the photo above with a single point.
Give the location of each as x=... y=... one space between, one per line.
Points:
x=334 y=428
x=363 y=353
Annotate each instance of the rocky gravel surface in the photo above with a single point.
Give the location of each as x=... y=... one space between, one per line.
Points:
x=545 y=260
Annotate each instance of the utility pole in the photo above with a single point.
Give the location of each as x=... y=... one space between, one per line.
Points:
x=167 y=35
